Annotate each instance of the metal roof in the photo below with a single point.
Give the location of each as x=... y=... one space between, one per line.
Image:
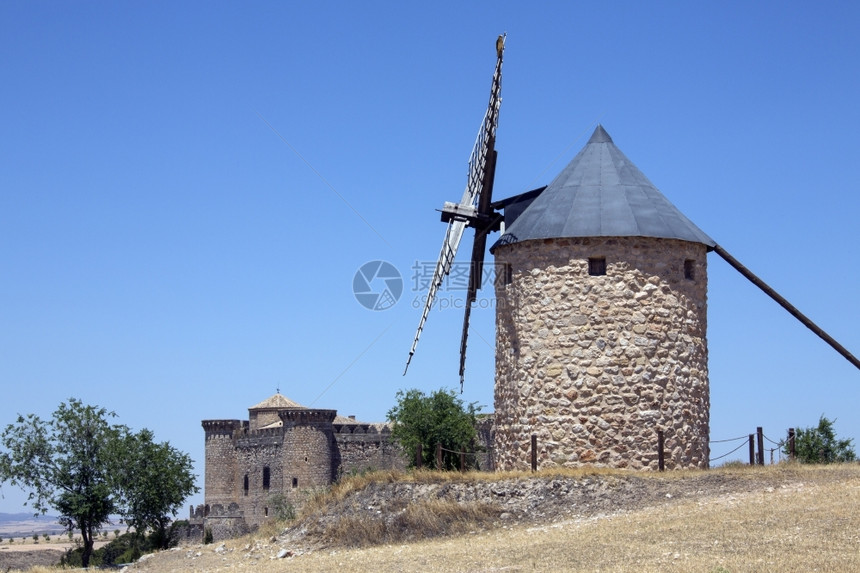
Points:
x=601 y=194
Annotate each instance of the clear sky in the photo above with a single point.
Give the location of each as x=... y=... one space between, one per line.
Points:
x=187 y=190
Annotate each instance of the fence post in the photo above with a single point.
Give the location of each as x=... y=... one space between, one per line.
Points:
x=534 y=452
x=439 y=457
x=791 y=451
x=752 y=449
x=661 y=460
x=760 y=434
x=462 y=461
x=419 y=454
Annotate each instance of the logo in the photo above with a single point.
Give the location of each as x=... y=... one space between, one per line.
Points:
x=377 y=285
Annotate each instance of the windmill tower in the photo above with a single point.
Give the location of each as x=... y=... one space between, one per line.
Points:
x=600 y=321
x=601 y=310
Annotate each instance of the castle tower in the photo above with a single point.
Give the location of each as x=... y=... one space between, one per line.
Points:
x=308 y=452
x=601 y=322
x=221 y=464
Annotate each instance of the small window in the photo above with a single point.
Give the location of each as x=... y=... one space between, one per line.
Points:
x=690 y=269
x=295 y=482
x=245 y=485
x=265 y=512
x=266 y=478
x=597 y=266
x=504 y=274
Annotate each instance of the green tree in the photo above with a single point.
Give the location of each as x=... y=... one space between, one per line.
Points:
x=64 y=462
x=87 y=469
x=820 y=445
x=440 y=418
x=152 y=480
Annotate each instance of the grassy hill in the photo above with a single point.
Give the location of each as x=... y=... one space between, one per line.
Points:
x=786 y=518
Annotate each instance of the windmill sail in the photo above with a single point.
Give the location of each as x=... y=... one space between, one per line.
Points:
x=469 y=211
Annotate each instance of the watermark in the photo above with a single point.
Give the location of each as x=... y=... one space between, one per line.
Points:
x=451 y=302
x=377 y=285
x=457 y=279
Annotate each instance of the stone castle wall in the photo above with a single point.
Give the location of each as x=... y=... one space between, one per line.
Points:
x=364 y=447
x=595 y=365
x=246 y=468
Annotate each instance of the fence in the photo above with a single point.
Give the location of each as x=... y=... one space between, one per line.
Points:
x=469 y=459
x=756 y=456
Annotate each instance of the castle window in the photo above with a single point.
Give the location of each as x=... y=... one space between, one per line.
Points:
x=295 y=482
x=690 y=269
x=245 y=485
x=597 y=266
x=266 y=477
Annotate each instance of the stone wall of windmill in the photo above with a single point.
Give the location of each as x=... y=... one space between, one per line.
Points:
x=595 y=364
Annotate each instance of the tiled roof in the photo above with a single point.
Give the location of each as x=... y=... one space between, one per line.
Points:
x=275 y=402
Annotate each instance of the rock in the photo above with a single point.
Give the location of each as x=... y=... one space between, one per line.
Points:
x=284 y=553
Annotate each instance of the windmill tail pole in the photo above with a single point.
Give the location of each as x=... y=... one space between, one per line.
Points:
x=787 y=305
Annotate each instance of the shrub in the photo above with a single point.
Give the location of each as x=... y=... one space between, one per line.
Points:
x=820 y=445
x=282 y=509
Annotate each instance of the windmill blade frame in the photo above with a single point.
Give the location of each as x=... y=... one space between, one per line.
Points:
x=473 y=210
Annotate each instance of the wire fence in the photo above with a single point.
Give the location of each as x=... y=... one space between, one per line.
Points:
x=483 y=458
x=783 y=448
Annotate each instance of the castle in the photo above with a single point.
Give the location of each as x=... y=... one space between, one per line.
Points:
x=282 y=452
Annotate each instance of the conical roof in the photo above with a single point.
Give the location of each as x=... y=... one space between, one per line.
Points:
x=602 y=194
x=277 y=401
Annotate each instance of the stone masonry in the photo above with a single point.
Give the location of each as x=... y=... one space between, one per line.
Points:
x=284 y=451
x=595 y=365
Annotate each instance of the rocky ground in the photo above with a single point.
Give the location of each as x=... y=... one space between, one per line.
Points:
x=537 y=500
x=21 y=560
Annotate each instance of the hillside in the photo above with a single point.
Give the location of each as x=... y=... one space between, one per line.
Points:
x=777 y=518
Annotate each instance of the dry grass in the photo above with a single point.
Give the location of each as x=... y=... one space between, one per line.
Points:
x=415 y=521
x=787 y=519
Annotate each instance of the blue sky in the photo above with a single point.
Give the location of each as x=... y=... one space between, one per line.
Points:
x=188 y=189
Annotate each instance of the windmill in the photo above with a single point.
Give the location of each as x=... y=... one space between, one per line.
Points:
x=600 y=194
x=474 y=210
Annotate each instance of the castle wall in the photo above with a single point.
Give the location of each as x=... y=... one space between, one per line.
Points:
x=262 y=417
x=291 y=461
x=361 y=448
x=595 y=365
x=259 y=453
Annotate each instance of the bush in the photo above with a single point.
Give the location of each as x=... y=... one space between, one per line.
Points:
x=124 y=548
x=820 y=445
x=282 y=509
x=440 y=418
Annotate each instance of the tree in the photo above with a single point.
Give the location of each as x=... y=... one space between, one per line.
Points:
x=65 y=464
x=440 y=418
x=820 y=445
x=152 y=480
x=87 y=469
